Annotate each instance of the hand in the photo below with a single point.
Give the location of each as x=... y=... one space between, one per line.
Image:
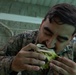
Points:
x=28 y=60
x=64 y=66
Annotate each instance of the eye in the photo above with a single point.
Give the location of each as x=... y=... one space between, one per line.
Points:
x=61 y=40
x=47 y=33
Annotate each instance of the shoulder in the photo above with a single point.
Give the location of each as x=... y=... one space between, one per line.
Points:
x=26 y=34
x=67 y=52
x=30 y=33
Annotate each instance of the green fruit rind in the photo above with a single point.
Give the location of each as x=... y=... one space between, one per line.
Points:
x=49 y=56
x=49 y=53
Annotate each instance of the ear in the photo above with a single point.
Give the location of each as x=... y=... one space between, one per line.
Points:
x=41 y=24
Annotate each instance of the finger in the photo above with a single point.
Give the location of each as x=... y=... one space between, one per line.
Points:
x=67 y=62
x=33 y=61
x=30 y=67
x=29 y=47
x=65 y=67
x=58 y=69
x=36 y=55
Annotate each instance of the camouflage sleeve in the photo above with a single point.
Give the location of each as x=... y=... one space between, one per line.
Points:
x=67 y=52
x=8 y=52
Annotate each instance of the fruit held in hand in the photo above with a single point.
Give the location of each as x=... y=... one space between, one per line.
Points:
x=49 y=53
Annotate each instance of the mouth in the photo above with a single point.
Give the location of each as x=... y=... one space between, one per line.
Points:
x=44 y=44
x=54 y=48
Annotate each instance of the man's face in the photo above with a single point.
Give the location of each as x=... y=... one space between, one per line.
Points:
x=54 y=35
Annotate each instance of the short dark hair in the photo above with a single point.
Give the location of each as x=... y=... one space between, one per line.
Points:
x=65 y=12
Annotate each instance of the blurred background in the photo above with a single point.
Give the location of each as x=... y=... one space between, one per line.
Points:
x=17 y=16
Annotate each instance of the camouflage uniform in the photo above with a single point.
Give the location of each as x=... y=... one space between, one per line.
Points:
x=12 y=48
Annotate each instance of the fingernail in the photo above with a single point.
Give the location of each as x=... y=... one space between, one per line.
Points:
x=51 y=64
x=36 y=68
x=44 y=57
x=43 y=62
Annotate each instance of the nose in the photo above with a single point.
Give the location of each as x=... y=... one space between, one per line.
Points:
x=51 y=42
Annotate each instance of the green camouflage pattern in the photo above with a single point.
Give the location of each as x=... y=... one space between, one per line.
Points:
x=12 y=48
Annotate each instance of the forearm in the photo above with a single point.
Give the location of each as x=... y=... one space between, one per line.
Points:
x=5 y=65
x=7 y=54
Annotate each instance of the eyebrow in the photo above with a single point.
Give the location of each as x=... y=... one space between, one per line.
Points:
x=46 y=28
x=63 y=37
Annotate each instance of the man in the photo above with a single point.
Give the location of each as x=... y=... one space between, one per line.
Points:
x=55 y=32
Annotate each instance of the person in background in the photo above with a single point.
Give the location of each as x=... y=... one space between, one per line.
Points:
x=55 y=32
